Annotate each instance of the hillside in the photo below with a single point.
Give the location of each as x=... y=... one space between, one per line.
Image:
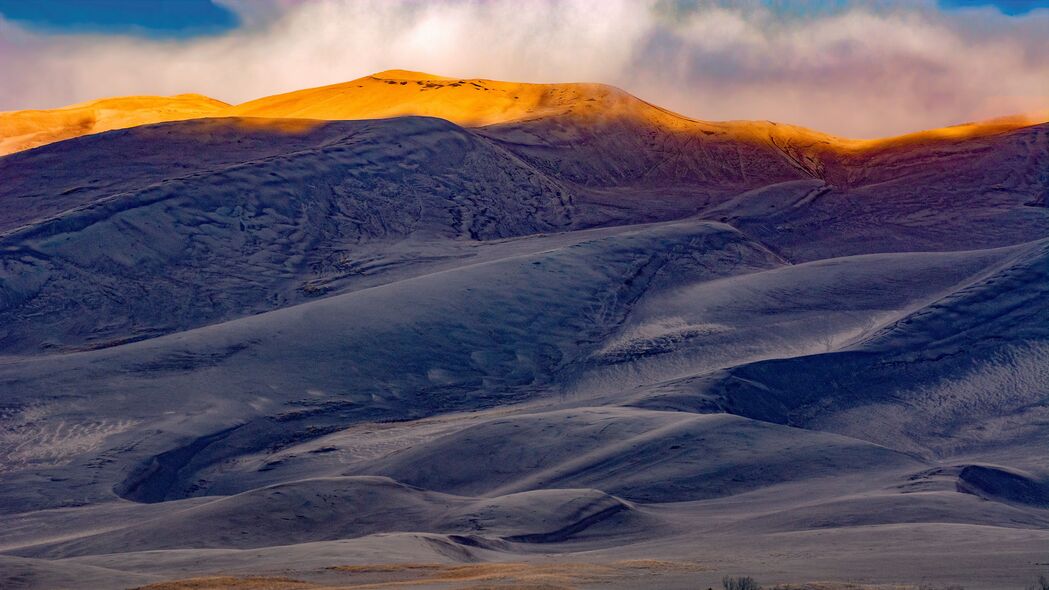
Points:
x=471 y=102
x=431 y=332
x=23 y=130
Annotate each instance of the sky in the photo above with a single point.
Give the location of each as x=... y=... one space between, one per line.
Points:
x=857 y=68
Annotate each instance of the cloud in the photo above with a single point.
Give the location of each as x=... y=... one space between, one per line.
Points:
x=858 y=70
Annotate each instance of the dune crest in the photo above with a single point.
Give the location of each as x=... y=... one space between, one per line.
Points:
x=469 y=102
x=23 y=130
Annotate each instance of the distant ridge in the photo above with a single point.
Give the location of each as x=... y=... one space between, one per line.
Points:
x=23 y=130
x=470 y=102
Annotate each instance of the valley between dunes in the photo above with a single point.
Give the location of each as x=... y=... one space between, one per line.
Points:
x=423 y=332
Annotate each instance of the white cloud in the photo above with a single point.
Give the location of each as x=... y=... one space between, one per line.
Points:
x=859 y=72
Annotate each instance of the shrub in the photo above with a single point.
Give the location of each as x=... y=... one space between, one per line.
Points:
x=1042 y=584
x=744 y=583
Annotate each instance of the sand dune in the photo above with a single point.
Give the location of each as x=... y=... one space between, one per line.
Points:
x=23 y=130
x=470 y=102
x=516 y=335
x=350 y=507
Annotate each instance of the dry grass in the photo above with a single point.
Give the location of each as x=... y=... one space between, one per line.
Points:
x=488 y=576
x=659 y=565
x=556 y=576
x=476 y=576
x=231 y=583
x=382 y=568
x=481 y=576
x=840 y=586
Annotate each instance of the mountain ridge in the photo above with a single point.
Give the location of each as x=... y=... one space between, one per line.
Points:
x=393 y=93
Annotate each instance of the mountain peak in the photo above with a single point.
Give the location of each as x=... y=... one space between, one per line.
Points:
x=406 y=75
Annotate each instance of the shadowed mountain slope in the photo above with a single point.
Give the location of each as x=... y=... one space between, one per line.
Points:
x=235 y=237
x=238 y=216
x=963 y=374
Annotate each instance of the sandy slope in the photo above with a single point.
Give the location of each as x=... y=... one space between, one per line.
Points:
x=666 y=460
x=23 y=130
x=471 y=102
x=467 y=102
x=930 y=381
x=587 y=344
x=242 y=236
x=239 y=216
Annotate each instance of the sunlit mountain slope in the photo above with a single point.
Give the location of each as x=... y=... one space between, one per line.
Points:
x=22 y=130
x=469 y=102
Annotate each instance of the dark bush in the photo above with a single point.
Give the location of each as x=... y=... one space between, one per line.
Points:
x=1042 y=584
x=743 y=583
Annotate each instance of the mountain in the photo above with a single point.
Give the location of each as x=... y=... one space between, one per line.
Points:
x=420 y=330
x=236 y=216
x=281 y=219
x=472 y=102
x=23 y=130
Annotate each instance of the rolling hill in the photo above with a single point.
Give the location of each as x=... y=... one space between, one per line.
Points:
x=23 y=130
x=374 y=332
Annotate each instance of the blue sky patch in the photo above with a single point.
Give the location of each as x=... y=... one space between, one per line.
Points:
x=1010 y=7
x=148 y=18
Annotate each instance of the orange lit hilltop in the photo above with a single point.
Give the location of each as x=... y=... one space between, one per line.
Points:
x=467 y=102
x=23 y=130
